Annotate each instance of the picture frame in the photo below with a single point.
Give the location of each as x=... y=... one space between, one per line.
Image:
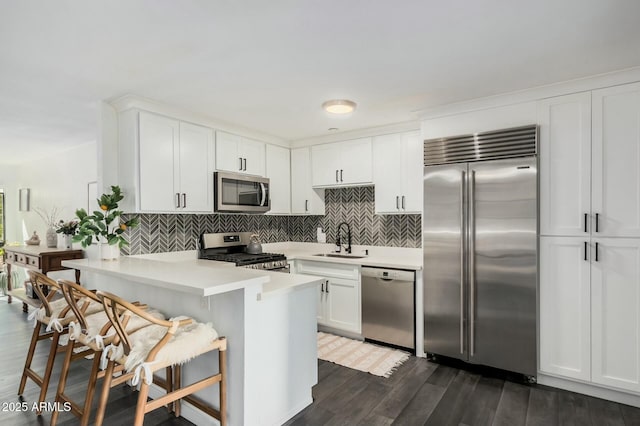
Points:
x=24 y=201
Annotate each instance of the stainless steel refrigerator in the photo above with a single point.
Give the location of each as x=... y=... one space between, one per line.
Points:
x=480 y=232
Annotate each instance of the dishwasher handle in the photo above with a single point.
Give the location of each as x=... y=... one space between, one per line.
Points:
x=388 y=274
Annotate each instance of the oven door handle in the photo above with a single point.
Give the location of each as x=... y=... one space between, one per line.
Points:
x=263 y=197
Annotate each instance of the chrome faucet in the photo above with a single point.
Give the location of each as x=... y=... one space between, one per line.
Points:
x=348 y=248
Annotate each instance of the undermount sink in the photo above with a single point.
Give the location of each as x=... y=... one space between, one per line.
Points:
x=341 y=256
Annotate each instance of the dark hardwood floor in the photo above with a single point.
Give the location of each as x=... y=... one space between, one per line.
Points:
x=418 y=393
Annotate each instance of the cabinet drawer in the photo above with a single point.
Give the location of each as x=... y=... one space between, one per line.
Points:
x=24 y=260
x=33 y=261
x=324 y=269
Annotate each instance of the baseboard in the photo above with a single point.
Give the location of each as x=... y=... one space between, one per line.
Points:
x=590 y=389
x=188 y=411
x=307 y=401
x=197 y=417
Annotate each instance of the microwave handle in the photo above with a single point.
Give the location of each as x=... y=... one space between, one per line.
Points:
x=263 y=191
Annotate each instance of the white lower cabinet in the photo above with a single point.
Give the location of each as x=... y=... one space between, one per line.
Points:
x=590 y=310
x=565 y=308
x=338 y=296
x=615 y=313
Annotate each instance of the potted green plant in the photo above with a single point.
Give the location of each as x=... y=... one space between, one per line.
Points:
x=68 y=230
x=104 y=225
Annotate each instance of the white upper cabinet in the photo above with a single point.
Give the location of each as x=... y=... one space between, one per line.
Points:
x=590 y=163
x=175 y=166
x=565 y=164
x=237 y=154
x=342 y=163
x=616 y=161
x=305 y=200
x=397 y=173
x=196 y=168
x=279 y=175
x=158 y=164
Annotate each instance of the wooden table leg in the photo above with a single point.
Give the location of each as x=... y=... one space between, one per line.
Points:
x=77 y=276
x=9 y=282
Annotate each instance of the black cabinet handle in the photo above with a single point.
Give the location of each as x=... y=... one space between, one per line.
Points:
x=245 y=164
x=322 y=287
x=177 y=200
x=327 y=286
x=240 y=158
x=403 y=208
x=337 y=176
x=597 y=220
x=306 y=205
x=184 y=200
x=341 y=176
x=586 y=217
x=585 y=250
x=596 y=252
x=397 y=202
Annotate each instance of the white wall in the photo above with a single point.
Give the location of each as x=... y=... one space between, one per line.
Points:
x=59 y=180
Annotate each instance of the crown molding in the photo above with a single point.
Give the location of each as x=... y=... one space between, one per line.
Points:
x=615 y=78
x=131 y=101
x=406 y=126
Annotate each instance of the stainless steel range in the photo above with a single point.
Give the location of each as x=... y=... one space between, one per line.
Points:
x=232 y=247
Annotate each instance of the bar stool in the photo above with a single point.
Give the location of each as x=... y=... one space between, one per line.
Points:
x=54 y=315
x=88 y=335
x=165 y=344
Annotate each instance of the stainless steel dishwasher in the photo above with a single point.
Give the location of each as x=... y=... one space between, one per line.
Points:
x=388 y=306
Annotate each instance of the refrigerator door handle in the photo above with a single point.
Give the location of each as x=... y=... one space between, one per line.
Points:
x=462 y=228
x=472 y=260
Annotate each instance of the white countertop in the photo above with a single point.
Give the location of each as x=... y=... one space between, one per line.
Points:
x=383 y=257
x=182 y=271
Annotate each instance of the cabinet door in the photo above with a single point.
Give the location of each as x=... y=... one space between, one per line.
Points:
x=278 y=171
x=158 y=144
x=300 y=180
x=325 y=164
x=253 y=156
x=322 y=305
x=616 y=161
x=388 y=173
x=304 y=198
x=565 y=307
x=227 y=155
x=565 y=164
x=615 y=286
x=343 y=304
x=196 y=168
x=356 y=161
x=412 y=166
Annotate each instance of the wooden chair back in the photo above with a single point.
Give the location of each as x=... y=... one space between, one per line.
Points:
x=115 y=306
x=46 y=289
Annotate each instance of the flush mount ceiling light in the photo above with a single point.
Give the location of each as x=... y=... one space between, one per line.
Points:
x=339 y=106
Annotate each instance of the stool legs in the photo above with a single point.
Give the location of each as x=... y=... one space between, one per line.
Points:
x=30 y=353
x=42 y=381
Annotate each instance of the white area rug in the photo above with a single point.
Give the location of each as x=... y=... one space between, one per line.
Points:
x=377 y=360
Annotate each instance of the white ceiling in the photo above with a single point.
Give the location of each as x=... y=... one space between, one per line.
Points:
x=269 y=65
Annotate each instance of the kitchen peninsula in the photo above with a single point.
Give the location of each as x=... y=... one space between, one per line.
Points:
x=269 y=319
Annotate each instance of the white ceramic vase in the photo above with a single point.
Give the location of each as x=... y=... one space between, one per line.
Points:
x=109 y=252
x=52 y=238
x=66 y=239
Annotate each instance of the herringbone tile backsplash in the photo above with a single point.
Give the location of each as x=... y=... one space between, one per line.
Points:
x=174 y=232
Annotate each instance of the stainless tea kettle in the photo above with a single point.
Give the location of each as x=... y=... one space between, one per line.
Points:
x=254 y=246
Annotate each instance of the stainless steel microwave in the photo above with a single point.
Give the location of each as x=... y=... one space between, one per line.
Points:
x=238 y=193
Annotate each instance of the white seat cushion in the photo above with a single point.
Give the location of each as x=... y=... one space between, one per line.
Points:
x=187 y=343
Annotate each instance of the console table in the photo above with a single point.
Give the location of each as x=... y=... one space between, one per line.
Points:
x=39 y=259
